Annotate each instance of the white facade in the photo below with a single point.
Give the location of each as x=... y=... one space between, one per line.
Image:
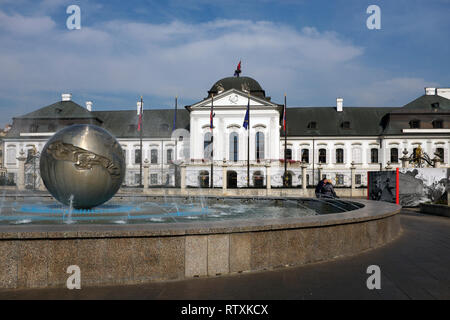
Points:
x=337 y=154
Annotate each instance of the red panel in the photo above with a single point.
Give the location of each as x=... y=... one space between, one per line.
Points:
x=397 y=198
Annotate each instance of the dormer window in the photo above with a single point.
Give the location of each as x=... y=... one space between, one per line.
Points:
x=438 y=124
x=346 y=125
x=34 y=127
x=132 y=128
x=312 y=125
x=414 y=124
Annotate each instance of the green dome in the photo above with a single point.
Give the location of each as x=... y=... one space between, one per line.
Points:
x=245 y=84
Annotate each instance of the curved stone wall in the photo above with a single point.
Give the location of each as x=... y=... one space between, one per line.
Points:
x=38 y=256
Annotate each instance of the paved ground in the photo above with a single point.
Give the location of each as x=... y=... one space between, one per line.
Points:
x=415 y=266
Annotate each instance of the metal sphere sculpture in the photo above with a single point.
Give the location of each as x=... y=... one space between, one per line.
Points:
x=83 y=164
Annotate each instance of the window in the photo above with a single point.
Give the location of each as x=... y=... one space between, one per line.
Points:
x=339 y=155
x=132 y=128
x=164 y=127
x=312 y=125
x=11 y=155
x=207 y=146
x=440 y=153
x=356 y=155
x=169 y=155
x=394 y=155
x=414 y=124
x=51 y=127
x=204 y=179
x=258 y=179
x=154 y=179
x=137 y=178
x=357 y=179
x=288 y=154
x=34 y=127
x=346 y=125
x=438 y=124
x=374 y=155
x=339 y=179
x=137 y=156
x=305 y=155
x=234 y=146
x=322 y=156
x=259 y=145
x=154 y=156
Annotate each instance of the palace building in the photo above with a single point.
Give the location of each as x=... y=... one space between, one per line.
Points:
x=326 y=141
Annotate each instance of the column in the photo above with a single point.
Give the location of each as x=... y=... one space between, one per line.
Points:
x=304 y=181
x=145 y=173
x=183 y=177
x=353 y=189
x=21 y=173
x=268 y=182
x=224 y=176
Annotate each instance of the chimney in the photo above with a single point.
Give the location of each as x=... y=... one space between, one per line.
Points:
x=339 y=104
x=138 y=106
x=89 y=105
x=66 y=97
x=430 y=91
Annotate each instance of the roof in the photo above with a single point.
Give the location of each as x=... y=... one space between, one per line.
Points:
x=245 y=84
x=157 y=123
x=364 y=121
x=60 y=109
x=424 y=103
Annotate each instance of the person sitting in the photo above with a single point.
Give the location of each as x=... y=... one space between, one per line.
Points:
x=327 y=190
x=319 y=186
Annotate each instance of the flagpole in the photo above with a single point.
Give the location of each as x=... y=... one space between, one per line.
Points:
x=140 y=144
x=176 y=141
x=248 y=144
x=212 y=141
x=285 y=141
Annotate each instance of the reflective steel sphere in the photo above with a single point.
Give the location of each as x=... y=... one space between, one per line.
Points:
x=84 y=163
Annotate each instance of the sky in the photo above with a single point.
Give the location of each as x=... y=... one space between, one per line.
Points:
x=314 y=51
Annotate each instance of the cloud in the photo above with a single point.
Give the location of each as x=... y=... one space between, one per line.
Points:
x=121 y=58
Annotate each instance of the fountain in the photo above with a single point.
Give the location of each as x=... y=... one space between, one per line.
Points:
x=116 y=241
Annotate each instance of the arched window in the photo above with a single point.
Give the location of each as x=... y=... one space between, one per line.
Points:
x=207 y=140
x=322 y=155
x=154 y=156
x=288 y=154
x=169 y=155
x=440 y=153
x=204 y=179
x=11 y=155
x=305 y=155
x=231 y=179
x=394 y=155
x=234 y=146
x=137 y=156
x=259 y=145
x=374 y=155
x=356 y=155
x=339 y=155
x=258 y=179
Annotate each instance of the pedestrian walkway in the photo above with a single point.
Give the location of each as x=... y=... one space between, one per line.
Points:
x=415 y=266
